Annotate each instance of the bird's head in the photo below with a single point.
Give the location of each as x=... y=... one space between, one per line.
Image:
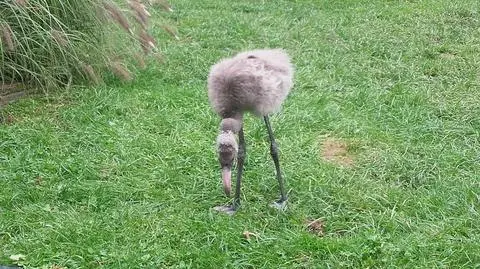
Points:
x=227 y=148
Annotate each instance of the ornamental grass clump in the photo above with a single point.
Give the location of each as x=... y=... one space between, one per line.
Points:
x=47 y=44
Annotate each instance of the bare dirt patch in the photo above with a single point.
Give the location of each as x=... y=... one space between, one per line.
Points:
x=336 y=151
x=316 y=226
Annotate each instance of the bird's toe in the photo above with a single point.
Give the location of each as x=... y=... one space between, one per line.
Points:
x=229 y=210
x=279 y=205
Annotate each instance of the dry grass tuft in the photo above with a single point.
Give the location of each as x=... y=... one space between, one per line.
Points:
x=21 y=2
x=60 y=37
x=147 y=42
x=117 y=15
x=140 y=13
x=121 y=71
x=90 y=72
x=7 y=37
x=139 y=58
x=162 y=3
x=170 y=30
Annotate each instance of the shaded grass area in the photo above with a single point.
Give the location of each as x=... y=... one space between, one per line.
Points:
x=125 y=176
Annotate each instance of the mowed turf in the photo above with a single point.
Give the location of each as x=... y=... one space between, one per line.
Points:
x=379 y=140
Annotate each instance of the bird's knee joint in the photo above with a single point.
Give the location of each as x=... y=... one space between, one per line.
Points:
x=274 y=149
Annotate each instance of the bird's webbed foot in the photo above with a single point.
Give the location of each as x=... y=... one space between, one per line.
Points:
x=229 y=210
x=280 y=205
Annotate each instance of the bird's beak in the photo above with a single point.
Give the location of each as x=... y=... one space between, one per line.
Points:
x=227 y=182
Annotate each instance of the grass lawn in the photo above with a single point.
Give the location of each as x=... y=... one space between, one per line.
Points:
x=379 y=140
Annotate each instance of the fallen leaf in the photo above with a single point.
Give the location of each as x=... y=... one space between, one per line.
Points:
x=17 y=257
x=316 y=226
x=247 y=235
x=38 y=180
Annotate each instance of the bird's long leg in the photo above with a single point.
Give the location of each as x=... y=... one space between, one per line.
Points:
x=242 y=151
x=274 y=152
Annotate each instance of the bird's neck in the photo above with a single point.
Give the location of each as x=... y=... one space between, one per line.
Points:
x=226 y=140
x=231 y=125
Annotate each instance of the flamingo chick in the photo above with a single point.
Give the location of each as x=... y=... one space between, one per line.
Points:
x=256 y=81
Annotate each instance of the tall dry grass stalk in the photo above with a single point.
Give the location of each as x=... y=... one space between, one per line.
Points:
x=117 y=15
x=60 y=37
x=140 y=13
x=162 y=3
x=121 y=71
x=170 y=30
x=21 y=2
x=7 y=37
x=90 y=72
x=147 y=42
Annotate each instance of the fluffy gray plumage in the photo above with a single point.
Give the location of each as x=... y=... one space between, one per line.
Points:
x=256 y=81
x=253 y=81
